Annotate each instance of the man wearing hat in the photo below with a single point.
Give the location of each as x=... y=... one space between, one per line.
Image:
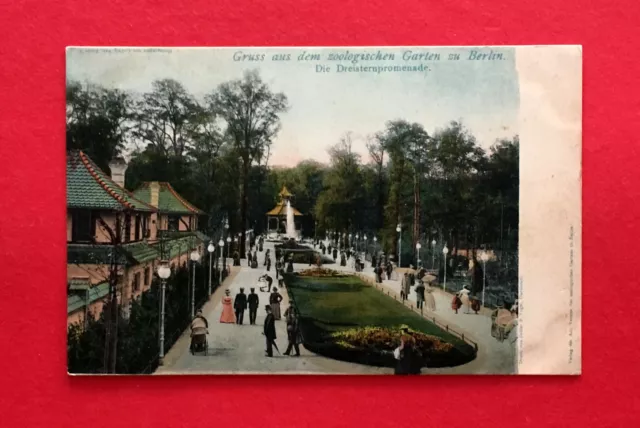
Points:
x=269 y=331
x=420 y=288
x=240 y=304
x=253 y=301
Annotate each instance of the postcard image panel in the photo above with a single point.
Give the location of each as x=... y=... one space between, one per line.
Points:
x=335 y=210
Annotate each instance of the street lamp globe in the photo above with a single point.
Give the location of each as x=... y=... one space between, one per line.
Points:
x=164 y=271
x=365 y=237
x=228 y=239
x=195 y=256
x=211 y=248
x=350 y=235
x=235 y=239
x=398 y=228
x=220 y=243
x=445 y=250
x=356 y=236
x=484 y=256
x=418 y=246
x=433 y=243
x=375 y=239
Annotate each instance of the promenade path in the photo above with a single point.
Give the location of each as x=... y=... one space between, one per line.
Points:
x=240 y=349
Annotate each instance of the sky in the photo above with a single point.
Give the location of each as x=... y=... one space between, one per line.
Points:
x=323 y=106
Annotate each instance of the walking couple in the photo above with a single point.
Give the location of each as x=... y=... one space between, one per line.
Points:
x=293 y=331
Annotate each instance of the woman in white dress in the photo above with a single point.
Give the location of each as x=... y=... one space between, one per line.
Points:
x=464 y=298
x=429 y=298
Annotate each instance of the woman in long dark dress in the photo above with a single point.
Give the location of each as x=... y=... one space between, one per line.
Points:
x=274 y=300
x=408 y=358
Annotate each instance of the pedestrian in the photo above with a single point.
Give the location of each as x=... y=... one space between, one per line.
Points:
x=227 y=316
x=253 y=301
x=464 y=299
x=406 y=288
x=477 y=276
x=266 y=278
x=408 y=357
x=420 y=288
x=268 y=262
x=293 y=331
x=249 y=258
x=274 y=300
x=240 y=304
x=429 y=298
x=377 y=272
x=269 y=332
x=278 y=267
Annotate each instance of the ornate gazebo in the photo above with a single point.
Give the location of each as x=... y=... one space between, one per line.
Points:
x=277 y=217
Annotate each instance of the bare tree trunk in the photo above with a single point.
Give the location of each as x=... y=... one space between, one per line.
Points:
x=244 y=205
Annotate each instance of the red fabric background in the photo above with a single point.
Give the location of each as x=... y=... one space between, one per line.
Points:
x=36 y=390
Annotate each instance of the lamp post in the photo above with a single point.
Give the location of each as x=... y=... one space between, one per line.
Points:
x=484 y=257
x=375 y=245
x=164 y=271
x=365 y=246
x=357 y=249
x=221 y=245
x=195 y=256
x=399 y=229
x=418 y=246
x=433 y=254
x=210 y=249
x=445 y=251
x=228 y=247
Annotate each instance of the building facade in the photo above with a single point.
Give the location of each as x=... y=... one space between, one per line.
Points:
x=110 y=229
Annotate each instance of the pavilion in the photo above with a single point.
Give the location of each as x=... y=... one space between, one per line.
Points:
x=277 y=217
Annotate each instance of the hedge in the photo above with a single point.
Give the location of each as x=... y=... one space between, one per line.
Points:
x=138 y=337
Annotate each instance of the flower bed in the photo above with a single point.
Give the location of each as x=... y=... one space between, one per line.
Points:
x=375 y=345
x=319 y=272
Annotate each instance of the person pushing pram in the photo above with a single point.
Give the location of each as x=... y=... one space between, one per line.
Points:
x=265 y=281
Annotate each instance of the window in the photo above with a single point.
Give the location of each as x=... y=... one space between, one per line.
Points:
x=136 y=282
x=145 y=226
x=138 y=226
x=174 y=223
x=147 y=275
x=83 y=227
x=127 y=227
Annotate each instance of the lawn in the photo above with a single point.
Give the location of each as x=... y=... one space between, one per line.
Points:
x=330 y=304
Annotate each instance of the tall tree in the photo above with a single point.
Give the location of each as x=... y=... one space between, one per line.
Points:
x=252 y=115
x=167 y=117
x=97 y=121
x=405 y=144
x=339 y=205
x=457 y=168
x=377 y=151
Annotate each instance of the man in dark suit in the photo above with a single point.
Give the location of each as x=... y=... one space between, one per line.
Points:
x=270 y=332
x=253 y=301
x=240 y=304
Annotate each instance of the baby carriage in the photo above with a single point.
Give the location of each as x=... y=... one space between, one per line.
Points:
x=264 y=285
x=502 y=323
x=199 y=336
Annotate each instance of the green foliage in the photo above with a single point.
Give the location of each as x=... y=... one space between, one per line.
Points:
x=97 y=121
x=138 y=337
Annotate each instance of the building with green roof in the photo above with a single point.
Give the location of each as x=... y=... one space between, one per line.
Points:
x=109 y=227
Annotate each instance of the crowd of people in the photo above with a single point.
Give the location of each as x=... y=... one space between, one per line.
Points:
x=233 y=309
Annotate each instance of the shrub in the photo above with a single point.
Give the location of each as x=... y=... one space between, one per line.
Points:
x=138 y=336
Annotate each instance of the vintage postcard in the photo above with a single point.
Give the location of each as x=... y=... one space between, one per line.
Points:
x=335 y=210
